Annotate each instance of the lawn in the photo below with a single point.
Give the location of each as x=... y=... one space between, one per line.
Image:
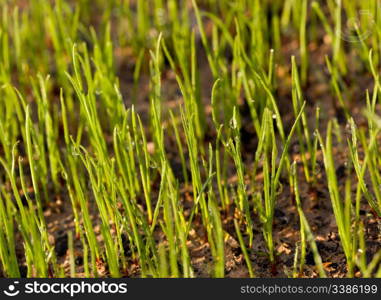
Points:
x=192 y=138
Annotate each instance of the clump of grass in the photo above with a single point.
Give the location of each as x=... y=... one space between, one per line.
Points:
x=306 y=235
x=342 y=209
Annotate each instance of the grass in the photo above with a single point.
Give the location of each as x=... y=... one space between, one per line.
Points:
x=160 y=127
